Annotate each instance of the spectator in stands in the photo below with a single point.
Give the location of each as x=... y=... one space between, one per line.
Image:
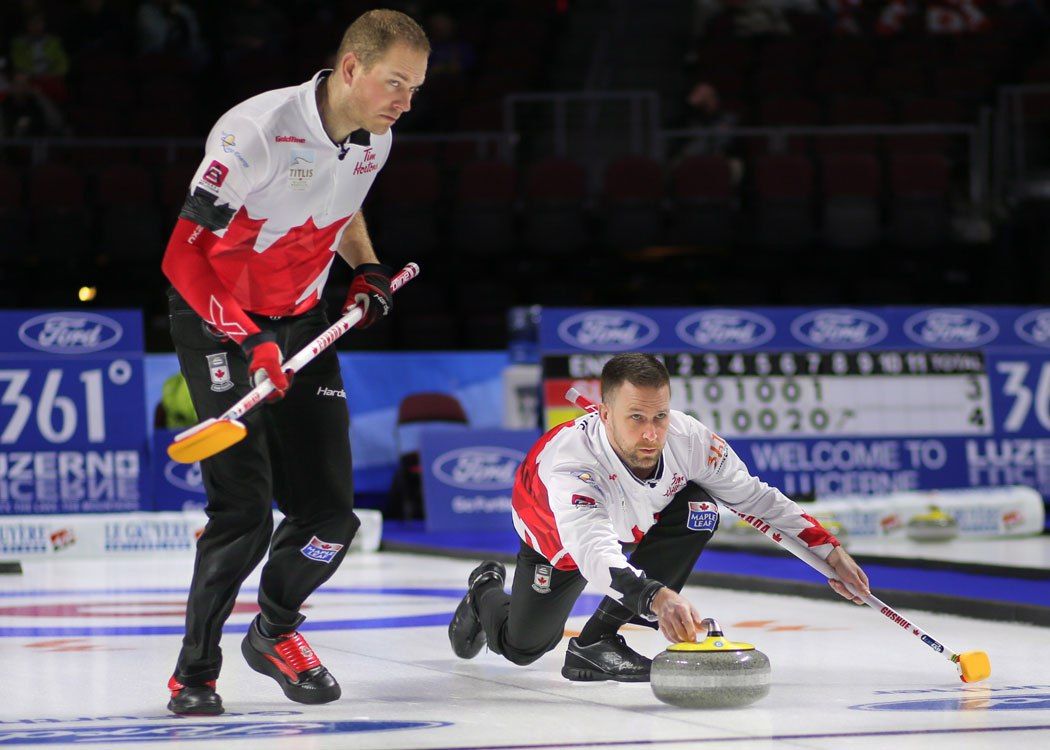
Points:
x=96 y=26
x=255 y=26
x=170 y=27
x=451 y=55
x=705 y=110
x=41 y=56
x=26 y=111
x=451 y=61
x=750 y=17
x=955 y=17
x=845 y=15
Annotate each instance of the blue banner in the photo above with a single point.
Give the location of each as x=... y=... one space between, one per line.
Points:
x=175 y=486
x=565 y=330
x=824 y=402
x=72 y=412
x=468 y=476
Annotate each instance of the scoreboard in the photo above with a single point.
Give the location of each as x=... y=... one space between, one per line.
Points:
x=842 y=400
x=808 y=394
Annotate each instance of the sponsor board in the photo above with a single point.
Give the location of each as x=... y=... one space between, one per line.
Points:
x=839 y=329
x=70 y=333
x=608 y=330
x=468 y=476
x=725 y=330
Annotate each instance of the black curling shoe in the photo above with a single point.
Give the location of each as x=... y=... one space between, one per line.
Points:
x=465 y=632
x=608 y=659
x=290 y=661
x=200 y=700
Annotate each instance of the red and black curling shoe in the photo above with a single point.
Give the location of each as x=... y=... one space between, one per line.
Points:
x=290 y=661
x=194 y=700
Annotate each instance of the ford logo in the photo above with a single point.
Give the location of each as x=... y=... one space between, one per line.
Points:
x=725 y=330
x=1034 y=327
x=608 y=330
x=839 y=329
x=185 y=476
x=478 y=468
x=70 y=333
x=951 y=328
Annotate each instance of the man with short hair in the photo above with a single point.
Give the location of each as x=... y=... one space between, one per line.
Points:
x=276 y=197
x=635 y=471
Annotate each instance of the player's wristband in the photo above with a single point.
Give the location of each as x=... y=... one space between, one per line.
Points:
x=645 y=599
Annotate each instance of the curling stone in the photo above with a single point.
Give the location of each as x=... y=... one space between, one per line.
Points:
x=712 y=673
x=933 y=526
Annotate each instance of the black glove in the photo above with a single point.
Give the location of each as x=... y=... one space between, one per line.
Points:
x=371 y=289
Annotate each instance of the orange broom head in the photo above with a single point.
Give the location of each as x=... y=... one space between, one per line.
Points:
x=198 y=444
x=974 y=666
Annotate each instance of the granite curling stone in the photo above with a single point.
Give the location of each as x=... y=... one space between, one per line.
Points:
x=933 y=526
x=712 y=673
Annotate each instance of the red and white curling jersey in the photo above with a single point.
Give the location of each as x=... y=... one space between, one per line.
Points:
x=574 y=500
x=273 y=195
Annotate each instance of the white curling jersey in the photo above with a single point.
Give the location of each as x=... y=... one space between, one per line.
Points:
x=278 y=194
x=575 y=502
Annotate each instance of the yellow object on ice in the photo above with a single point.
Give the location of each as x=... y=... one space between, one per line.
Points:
x=975 y=666
x=711 y=643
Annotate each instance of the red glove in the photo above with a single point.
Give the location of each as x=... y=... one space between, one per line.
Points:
x=371 y=289
x=264 y=362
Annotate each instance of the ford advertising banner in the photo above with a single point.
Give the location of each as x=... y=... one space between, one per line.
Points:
x=72 y=412
x=468 y=476
x=826 y=402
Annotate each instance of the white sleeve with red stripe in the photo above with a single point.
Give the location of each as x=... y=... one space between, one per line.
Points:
x=236 y=157
x=720 y=471
x=589 y=538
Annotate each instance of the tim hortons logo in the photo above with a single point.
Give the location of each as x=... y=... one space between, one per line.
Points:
x=676 y=484
x=367 y=164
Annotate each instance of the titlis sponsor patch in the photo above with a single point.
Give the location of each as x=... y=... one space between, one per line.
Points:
x=301 y=168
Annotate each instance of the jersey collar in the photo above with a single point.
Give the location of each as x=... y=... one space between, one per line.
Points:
x=359 y=137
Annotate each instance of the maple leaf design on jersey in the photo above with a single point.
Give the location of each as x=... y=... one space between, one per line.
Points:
x=268 y=279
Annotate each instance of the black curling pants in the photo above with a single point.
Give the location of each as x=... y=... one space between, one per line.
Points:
x=529 y=622
x=297 y=452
